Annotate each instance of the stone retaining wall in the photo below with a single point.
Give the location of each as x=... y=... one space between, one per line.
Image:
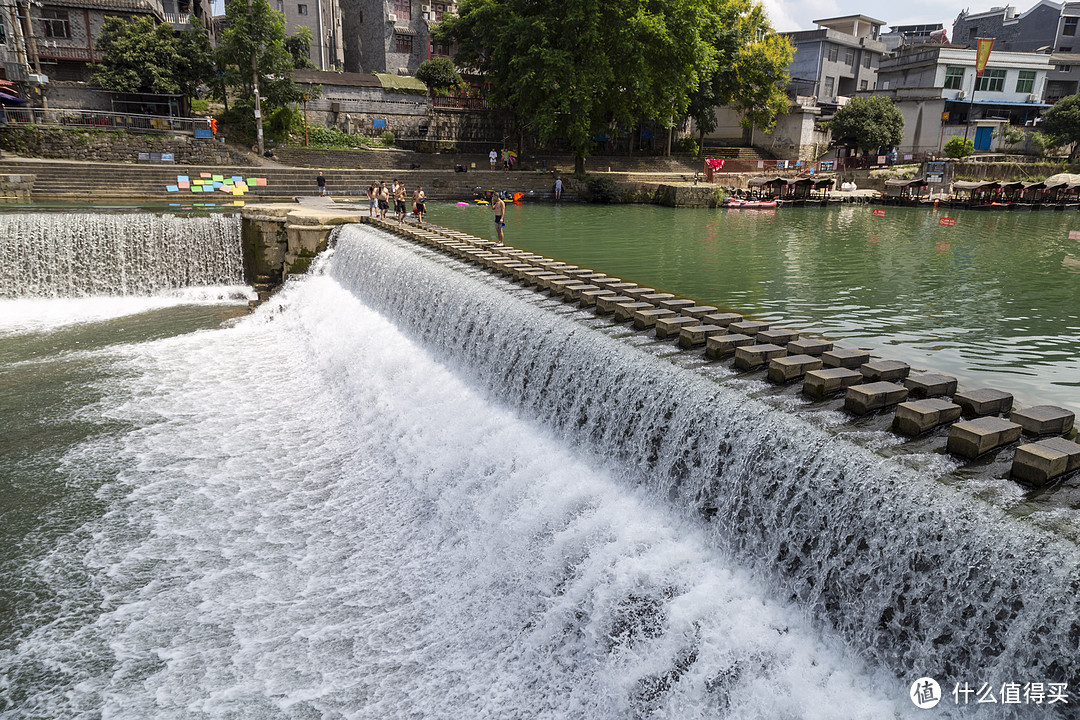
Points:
x=114 y=146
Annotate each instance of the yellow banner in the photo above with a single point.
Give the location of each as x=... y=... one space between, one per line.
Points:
x=982 y=54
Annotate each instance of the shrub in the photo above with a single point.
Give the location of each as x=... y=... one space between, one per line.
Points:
x=283 y=122
x=388 y=138
x=687 y=145
x=438 y=74
x=958 y=147
x=602 y=189
x=334 y=139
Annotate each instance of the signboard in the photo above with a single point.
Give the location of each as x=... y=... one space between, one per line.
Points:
x=878 y=212
x=949 y=222
x=1074 y=234
x=881 y=159
x=982 y=54
x=827 y=165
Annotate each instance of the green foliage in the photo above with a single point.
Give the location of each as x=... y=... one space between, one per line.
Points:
x=1011 y=134
x=200 y=106
x=958 y=147
x=299 y=47
x=141 y=57
x=868 y=123
x=388 y=138
x=571 y=70
x=256 y=28
x=602 y=189
x=334 y=139
x=283 y=122
x=438 y=74
x=687 y=145
x=751 y=70
x=1061 y=123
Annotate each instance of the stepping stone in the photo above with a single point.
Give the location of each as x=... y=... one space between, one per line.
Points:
x=544 y=283
x=822 y=383
x=605 y=304
x=719 y=346
x=722 y=319
x=591 y=277
x=558 y=286
x=792 y=367
x=655 y=298
x=697 y=311
x=1039 y=462
x=885 y=370
x=918 y=416
x=1043 y=420
x=808 y=346
x=645 y=319
x=863 y=399
x=670 y=327
x=588 y=297
x=747 y=327
x=984 y=401
x=636 y=292
x=532 y=277
x=625 y=310
x=778 y=336
x=697 y=334
x=573 y=292
x=677 y=304
x=578 y=272
x=749 y=357
x=615 y=284
x=973 y=438
x=844 y=358
x=930 y=385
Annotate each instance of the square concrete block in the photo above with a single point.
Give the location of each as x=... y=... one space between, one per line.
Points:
x=844 y=358
x=625 y=310
x=645 y=319
x=608 y=281
x=930 y=385
x=655 y=298
x=777 y=336
x=588 y=297
x=749 y=357
x=592 y=277
x=973 y=438
x=558 y=285
x=670 y=327
x=573 y=292
x=983 y=401
x=885 y=370
x=722 y=319
x=547 y=282
x=605 y=304
x=792 y=367
x=918 y=416
x=1044 y=420
x=822 y=383
x=636 y=292
x=720 y=346
x=618 y=287
x=677 y=304
x=697 y=311
x=578 y=272
x=533 y=277
x=808 y=346
x=748 y=327
x=863 y=399
x=695 y=335
x=1039 y=462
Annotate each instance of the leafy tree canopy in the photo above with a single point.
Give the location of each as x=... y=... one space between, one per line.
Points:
x=438 y=73
x=141 y=57
x=573 y=69
x=299 y=47
x=958 y=147
x=751 y=69
x=1061 y=123
x=868 y=123
x=252 y=26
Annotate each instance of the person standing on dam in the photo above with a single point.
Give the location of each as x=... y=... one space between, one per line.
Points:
x=499 y=207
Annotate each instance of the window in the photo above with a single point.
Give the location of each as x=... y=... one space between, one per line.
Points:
x=403 y=9
x=1026 y=82
x=991 y=81
x=862 y=84
x=440 y=49
x=973 y=33
x=301 y=9
x=954 y=78
x=403 y=43
x=834 y=52
x=438 y=10
x=55 y=23
x=3 y=35
x=830 y=85
x=281 y=6
x=1065 y=49
x=1063 y=68
x=867 y=61
x=1070 y=26
x=849 y=57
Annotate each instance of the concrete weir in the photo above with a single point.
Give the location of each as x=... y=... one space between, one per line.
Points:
x=919 y=404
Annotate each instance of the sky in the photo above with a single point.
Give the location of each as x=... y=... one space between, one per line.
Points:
x=789 y=15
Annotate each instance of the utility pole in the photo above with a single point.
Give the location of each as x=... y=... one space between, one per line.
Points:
x=255 y=83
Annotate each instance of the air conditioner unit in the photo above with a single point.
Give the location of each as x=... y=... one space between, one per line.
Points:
x=961 y=94
x=391 y=17
x=426 y=15
x=425 y=8
x=452 y=9
x=1033 y=98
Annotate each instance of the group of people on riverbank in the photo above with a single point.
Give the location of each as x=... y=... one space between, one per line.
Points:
x=380 y=198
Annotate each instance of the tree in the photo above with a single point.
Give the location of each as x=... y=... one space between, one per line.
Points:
x=1061 y=124
x=573 y=70
x=138 y=56
x=253 y=28
x=868 y=123
x=439 y=74
x=958 y=147
x=299 y=47
x=751 y=72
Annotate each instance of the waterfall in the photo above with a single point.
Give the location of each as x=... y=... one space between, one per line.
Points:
x=910 y=566
x=99 y=254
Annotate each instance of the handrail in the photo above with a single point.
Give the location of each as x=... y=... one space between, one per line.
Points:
x=71 y=117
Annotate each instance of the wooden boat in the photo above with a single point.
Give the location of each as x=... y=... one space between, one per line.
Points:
x=740 y=204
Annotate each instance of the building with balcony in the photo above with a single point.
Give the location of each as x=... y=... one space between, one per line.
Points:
x=838 y=59
x=390 y=35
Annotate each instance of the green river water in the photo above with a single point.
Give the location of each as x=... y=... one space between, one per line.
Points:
x=993 y=300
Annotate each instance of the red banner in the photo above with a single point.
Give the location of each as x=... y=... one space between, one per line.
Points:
x=879 y=213
x=947 y=221
x=982 y=54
